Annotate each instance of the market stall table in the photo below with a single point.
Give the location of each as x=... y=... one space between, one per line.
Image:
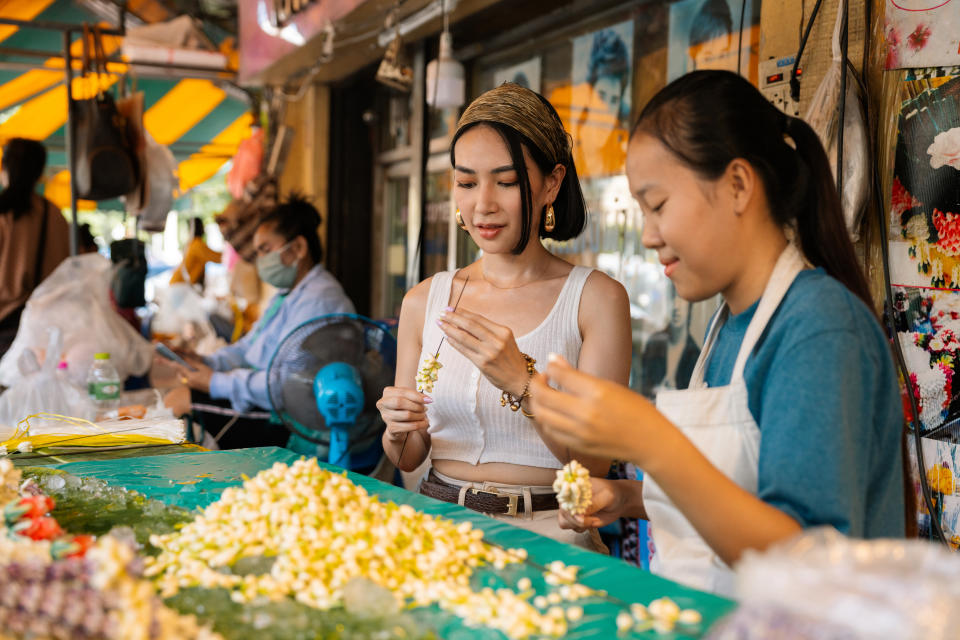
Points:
x=197 y=478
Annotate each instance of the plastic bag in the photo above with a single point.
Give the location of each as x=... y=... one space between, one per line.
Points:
x=75 y=298
x=41 y=388
x=153 y=199
x=822 y=116
x=824 y=585
x=246 y=163
x=183 y=312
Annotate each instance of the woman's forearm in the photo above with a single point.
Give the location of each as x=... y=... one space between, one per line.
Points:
x=415 y=451
x=729 y=518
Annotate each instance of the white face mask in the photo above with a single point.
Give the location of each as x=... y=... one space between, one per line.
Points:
x=271 y=269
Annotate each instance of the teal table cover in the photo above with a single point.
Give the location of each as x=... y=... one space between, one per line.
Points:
x=194 y=480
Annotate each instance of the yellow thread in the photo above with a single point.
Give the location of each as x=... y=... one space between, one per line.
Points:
x=103 y=438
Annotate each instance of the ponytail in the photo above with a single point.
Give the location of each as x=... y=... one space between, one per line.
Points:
x=709 y=118
x=821 y=230
x=24 y=161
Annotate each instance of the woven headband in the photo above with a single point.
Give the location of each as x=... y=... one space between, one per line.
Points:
x=524 y=111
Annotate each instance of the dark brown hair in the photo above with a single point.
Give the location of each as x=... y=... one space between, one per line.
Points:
x=296 y=217
x=507 y=120
x=24 y=161
x=709 y=118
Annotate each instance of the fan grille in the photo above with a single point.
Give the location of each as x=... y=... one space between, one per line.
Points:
x=365 y=345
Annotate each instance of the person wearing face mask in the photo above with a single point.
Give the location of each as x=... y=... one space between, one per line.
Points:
x=288 y=258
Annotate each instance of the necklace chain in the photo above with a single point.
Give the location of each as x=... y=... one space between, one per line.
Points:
x=483 y=277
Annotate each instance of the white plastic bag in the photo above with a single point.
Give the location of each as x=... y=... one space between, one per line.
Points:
x=41 y=389
x=182 y=311
x=822 y=116
x=157 y=192
x=822 y=585
x=75 y=298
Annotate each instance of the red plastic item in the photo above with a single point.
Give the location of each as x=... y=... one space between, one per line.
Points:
x=37 y=506
x=42 y=528
x=83 y=543
x=246 y=163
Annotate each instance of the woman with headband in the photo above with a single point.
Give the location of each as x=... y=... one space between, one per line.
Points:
x=498 y=318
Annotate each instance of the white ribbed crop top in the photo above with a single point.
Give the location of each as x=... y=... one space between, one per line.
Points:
x=467 y=422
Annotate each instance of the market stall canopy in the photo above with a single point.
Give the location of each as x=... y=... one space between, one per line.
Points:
x=276 y=47
x=202 y=119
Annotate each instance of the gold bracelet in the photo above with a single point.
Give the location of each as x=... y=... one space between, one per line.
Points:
x=514 y=402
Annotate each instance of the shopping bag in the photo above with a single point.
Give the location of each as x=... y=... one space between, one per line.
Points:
x=104 y=157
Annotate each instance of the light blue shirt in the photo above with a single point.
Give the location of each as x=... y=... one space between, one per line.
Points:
x=240 y=369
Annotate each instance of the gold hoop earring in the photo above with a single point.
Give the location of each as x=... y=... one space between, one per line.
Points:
x=460 y=220
x=549 y=220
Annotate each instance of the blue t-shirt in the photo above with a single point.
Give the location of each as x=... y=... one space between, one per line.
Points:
x=821 y=386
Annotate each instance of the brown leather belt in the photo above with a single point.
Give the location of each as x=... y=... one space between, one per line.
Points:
x=486 y=500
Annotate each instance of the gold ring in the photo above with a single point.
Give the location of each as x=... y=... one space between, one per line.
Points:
x=184 y=380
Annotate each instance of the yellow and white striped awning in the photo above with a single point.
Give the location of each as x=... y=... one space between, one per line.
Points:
x=196 y=118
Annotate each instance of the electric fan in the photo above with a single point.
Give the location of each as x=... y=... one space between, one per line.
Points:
x=324 y=380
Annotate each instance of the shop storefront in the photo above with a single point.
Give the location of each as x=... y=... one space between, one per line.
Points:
x=597 y=65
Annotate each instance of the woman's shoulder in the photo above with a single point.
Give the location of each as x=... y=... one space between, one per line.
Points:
x=602 y=301
x=815 y=295
x=600 y=292
x=817 y=305
x=416 y=299
x=418 y=295
x=598 y=282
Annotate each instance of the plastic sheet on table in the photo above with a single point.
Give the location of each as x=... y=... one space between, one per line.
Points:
x=196 y=479
x=826 y=586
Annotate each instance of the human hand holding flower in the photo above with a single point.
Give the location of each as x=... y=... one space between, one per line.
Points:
x=488 y=345
x=608 y=503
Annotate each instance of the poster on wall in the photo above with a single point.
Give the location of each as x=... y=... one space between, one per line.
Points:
x=595 y=106
x=526 y=74
x=928 y=328
x=922 y=33
x=925 y=196
x=714 y=34
x=942 y=470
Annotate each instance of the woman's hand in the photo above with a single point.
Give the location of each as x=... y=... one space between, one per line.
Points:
x=403 y=410
x=606 y=506
x=199 y=378
x=178 y=401
x=595 y=416
x=489 y=346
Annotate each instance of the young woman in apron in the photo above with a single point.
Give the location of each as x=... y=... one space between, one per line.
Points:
x=792 y=418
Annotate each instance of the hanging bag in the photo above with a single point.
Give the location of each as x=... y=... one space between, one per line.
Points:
x=129 y=278
x=104 y=159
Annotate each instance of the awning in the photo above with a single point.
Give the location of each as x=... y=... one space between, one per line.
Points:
x=199 y=120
